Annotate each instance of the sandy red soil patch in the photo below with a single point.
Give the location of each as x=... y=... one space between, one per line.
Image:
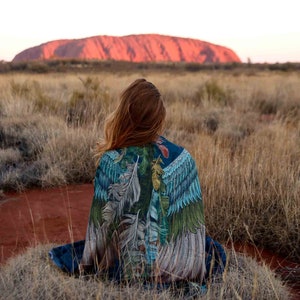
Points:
x=57 y=215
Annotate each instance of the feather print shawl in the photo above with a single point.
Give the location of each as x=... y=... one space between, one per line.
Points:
x=147 y=214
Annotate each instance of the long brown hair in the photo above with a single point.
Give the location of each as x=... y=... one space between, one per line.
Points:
x=138 y=119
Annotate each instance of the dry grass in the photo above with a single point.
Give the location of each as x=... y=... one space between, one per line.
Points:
x=244 y=132
x=32 y=276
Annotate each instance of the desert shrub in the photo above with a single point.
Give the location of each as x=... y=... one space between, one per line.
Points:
x=212 y=92
x=69 y=157
x=39 y=151
x=289 y=112
x=183 y=118
x=19 y=89
x=22 y=140
x=211 y=122
x=264 y=103
x=10 y=179
x=10 y=159
x=234 y=128
x=89 y=104
x=9 y=156
x=31 y=91
x=25 y=134
x=42 y=102
x=18 y=177
x=38 y=67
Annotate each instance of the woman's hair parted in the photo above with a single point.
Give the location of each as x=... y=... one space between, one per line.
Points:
x=138 y=119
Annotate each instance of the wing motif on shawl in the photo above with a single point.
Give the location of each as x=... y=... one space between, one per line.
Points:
x=183 y=256
x=132 y=245
x=125 y=192
x=114 y=189
x=107 y=173
x=96 y=242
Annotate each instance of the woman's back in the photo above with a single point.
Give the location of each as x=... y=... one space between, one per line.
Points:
x=147 y=214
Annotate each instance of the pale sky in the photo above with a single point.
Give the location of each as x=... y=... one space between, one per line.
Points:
x=261 y=30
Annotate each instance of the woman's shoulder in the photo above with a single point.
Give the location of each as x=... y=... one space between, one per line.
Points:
x=108 y=159
x=121 y=157
x=163 y=148
x=167 y=150
x=109 y=155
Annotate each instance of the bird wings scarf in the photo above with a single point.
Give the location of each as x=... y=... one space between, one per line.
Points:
x=147 y=213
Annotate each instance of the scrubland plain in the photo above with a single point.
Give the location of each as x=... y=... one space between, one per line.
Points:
x=243 y=129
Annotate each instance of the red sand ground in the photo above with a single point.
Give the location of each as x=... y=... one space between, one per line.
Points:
x=60 y=216
x=43 y=216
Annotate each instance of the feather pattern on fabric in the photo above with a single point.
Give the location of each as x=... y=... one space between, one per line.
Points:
x=182 y=183
x=132 y=245
x=99 y=249
x=125 y=192
x=107 y=173
x=184 y=254
x=183 y=258
x=98 y=246
x=152 y=227
x=185 y=212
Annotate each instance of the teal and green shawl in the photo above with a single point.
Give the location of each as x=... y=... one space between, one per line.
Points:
x=147 y=214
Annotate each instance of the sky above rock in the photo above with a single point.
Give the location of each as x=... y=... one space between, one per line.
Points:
x=260 y=31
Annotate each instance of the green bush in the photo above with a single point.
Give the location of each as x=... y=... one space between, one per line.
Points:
x=212 y=92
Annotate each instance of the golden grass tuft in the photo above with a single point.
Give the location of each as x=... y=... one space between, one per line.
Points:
x=32 y=275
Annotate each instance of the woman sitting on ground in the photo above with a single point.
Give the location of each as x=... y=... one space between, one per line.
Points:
x=146 y=220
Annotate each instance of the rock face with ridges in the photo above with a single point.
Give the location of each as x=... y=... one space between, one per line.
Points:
x=135 y=48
